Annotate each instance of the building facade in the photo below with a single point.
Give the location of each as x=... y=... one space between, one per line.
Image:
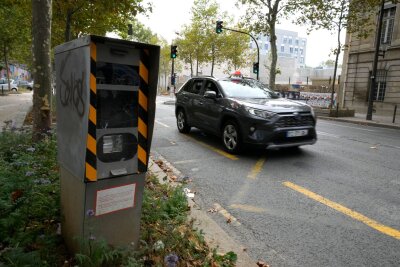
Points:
x=358 y=63
x=291 y=50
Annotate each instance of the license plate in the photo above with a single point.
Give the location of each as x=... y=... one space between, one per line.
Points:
x=296 y=133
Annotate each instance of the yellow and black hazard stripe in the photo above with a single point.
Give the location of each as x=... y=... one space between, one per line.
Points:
x=90 y=167
x=142 y=110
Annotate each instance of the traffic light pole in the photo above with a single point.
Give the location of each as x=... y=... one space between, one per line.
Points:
x=172 y=73
x=258 y=50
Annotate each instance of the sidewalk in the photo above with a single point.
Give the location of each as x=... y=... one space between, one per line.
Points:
x=214 y=235
x=359 y=118
x=13 y=109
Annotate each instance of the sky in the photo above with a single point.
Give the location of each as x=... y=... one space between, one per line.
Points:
x=169 y=16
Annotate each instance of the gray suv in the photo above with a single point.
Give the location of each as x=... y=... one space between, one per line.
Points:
x=243 y=111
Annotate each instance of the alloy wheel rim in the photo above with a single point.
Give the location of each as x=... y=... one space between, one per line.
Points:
x=181 y=120
x=230 y=137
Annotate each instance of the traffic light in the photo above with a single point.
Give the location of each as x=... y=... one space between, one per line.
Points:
x=174 y=51
x=218 y=28
x=255 y=67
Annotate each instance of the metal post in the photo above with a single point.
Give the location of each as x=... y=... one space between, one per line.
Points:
x=337 y=98
x=394 y=113
x=375 y=64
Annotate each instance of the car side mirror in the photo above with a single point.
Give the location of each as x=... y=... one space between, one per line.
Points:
x=210 y=94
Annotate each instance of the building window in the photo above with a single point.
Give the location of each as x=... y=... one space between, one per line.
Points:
x=266 y=46
x=302 y=60
x=251 y=45
x=301 y=51
x=297 y=42
x=291 y=50
x=387 y=25
x=284 y=40
x=282 y=48
x=380 y=89
x=304 y=42
x=290 y=40
x=296 y=50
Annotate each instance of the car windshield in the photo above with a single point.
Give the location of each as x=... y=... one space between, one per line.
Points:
x=246 y=89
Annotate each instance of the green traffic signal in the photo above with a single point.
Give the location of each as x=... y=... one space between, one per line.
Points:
x=218 y=28
x=255 y=67
x=174 y=51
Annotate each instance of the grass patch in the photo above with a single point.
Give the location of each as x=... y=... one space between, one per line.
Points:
x=30 y=217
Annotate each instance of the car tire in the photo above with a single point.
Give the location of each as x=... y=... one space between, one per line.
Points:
x=231 y=137
x=181 y=122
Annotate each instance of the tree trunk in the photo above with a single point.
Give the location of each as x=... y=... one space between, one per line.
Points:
x=41 y=47
x=274 y=56
x=7 y=68
x=68 y=25
x=191 y=65
x=337 y=55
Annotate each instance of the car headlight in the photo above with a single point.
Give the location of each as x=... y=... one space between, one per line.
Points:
x=261 y=113
x=312 y=112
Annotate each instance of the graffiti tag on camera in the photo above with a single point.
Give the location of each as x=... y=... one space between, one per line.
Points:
x=72 y=88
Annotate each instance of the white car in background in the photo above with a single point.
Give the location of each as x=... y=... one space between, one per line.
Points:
x=4 y=85
x=25 y=84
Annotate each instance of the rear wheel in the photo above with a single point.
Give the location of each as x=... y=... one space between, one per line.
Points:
x=231 y=137
x=181 y=122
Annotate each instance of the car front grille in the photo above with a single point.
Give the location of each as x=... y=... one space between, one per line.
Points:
x=294 y=121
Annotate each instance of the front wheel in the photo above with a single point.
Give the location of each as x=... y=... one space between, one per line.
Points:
x=181 y=122
x=14 y=89
x=231 y=137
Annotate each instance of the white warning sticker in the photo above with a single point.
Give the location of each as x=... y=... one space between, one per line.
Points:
x=115 y=198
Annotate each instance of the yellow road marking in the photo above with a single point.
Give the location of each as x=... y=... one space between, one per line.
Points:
x=219 y=151
x=257 y=168
x=247 y=208
x=353 y=214
x=226 y=214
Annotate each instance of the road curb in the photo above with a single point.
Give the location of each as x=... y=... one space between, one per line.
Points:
x=361 y=122
x=169 y=102
x=214 y=235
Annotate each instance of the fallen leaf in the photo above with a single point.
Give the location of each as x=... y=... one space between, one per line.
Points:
x=212 y=210
x=261 y=263
x=229 y=220
x=16 y=195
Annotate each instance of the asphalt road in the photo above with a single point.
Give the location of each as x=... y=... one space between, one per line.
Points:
x=336 y=203
x=14 y=106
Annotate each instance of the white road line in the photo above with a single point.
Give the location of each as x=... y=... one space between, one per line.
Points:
x=327 y=134
x=368 y=130
x=163 y=124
